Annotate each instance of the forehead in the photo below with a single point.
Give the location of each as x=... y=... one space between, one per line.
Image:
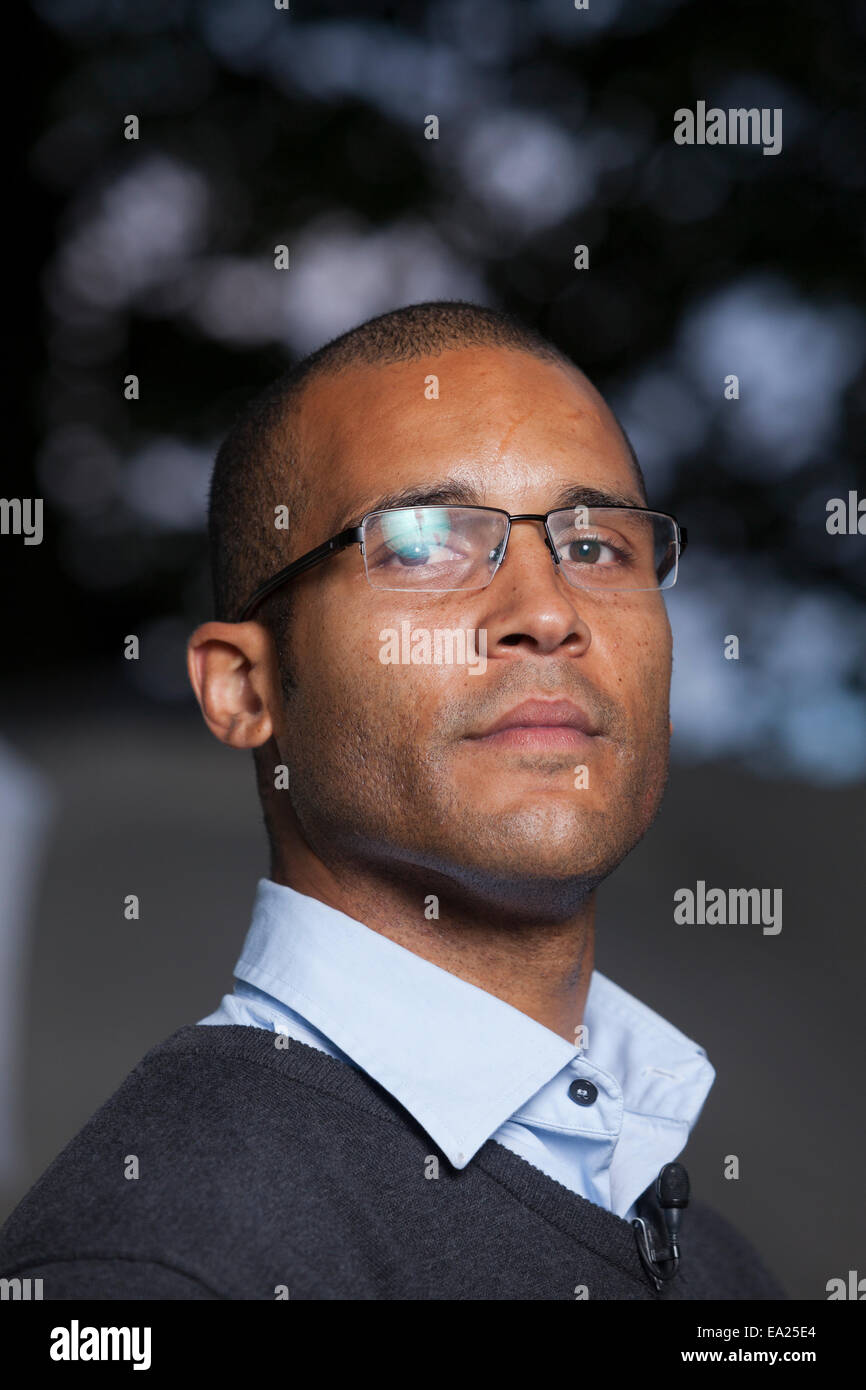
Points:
x=505 y=422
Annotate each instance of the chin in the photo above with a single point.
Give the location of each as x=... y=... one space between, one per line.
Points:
x=558 y=852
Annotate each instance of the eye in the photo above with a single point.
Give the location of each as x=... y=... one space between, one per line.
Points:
x=421 y=553
x=592 y=550
x=417 y=553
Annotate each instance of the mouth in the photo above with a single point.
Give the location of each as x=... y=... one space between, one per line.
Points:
x=537 y=724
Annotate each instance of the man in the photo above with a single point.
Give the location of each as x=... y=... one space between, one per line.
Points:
x=457 y=702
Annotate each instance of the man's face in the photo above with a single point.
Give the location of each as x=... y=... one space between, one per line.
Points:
x=386 y=763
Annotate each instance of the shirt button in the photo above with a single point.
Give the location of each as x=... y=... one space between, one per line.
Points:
x=583 y=1092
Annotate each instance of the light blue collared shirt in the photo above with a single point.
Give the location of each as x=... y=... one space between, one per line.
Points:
x=465 y=1064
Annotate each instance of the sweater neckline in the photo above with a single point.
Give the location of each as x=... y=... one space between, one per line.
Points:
x=608 y=1235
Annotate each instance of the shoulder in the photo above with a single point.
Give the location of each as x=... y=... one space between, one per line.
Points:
x=173 y=1171
x=715 y=1252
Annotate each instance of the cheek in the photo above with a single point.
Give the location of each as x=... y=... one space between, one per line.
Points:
x=637 y=656
x=359 y=671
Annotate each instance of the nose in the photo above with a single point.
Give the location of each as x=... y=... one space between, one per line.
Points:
x=533 y=609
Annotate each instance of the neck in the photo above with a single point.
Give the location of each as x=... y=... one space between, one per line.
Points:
x=541 y=967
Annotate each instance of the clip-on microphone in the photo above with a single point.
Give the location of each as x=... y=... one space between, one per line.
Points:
x=672 y=1193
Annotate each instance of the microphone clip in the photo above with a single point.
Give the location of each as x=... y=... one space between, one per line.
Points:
x=671 y=1191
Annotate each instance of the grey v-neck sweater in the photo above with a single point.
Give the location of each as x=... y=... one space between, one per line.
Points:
x=237 y=1164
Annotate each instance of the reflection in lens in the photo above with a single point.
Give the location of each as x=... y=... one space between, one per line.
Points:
x=410 y=535
x=433 y=549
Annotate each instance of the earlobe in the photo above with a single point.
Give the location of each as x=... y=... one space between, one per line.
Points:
x=671 y=725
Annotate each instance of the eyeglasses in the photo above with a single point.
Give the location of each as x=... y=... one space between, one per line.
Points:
x=435 y=549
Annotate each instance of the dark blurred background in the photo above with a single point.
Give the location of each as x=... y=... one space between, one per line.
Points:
x=155 y=256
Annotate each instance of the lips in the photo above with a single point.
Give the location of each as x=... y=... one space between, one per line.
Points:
x=542 y=715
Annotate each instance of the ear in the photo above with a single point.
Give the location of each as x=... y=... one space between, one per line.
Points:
x=231 y=668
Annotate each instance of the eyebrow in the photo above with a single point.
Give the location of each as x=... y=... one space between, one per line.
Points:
x=451 y=492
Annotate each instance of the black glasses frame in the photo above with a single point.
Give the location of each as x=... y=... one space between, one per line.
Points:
x=355 y=534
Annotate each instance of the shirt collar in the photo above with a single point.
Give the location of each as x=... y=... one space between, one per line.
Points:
x=459 y=1059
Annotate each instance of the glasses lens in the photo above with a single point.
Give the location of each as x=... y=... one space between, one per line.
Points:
x=616 y=548
x=433 y=548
